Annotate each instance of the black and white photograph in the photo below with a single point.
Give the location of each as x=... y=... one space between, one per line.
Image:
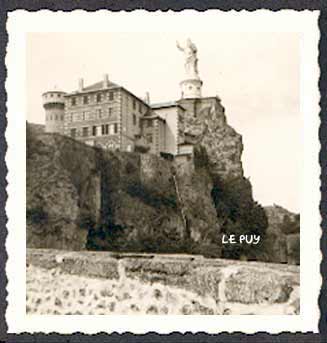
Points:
x=162 y=166
x=141 y=206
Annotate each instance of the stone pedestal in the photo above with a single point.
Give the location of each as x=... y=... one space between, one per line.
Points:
x=191 y=88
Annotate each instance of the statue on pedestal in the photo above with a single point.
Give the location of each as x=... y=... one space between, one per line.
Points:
x=191 y=60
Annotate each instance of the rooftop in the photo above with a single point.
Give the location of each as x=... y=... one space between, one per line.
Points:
x=99 y=85
x=153 y=117
x=95 y=87
x=166 y=105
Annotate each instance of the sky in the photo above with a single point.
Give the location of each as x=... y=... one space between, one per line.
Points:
x=256 y=75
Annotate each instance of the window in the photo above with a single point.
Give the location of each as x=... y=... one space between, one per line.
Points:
x=134 y=119
x=62 y=117
x=109 y=111
x=134 y=104
x=115 y=128
x=99 y=96
x=73 y=101
x=140 y=107
x=56 y=117
x=149 y=123
x=73 y=133
x=98 y=130
x=94 y=130
x=111 y=129
x=99 y=113
x=149 y=138
x=85 y=131
x=83 y=115
x=111 y=96
x=103 y=129
x=85 y=99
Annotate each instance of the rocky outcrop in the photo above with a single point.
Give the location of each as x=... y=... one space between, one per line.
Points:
x=62 y=184
x=282 y=241
x=205 y=122
x=80 y=197
x=60 y=282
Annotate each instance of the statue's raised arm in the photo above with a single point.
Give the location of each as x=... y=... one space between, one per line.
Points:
x=178 y=46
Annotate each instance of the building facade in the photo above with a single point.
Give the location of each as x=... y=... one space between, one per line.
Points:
x=104 y=114
x=108 y=115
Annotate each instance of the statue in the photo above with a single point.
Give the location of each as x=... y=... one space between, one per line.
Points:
x=191 y=60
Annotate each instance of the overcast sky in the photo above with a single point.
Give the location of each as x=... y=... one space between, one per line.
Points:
x=256 y=75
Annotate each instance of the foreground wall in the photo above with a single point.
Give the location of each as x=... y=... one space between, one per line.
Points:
x=62 y=282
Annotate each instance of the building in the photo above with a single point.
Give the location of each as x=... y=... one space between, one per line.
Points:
x=108 y=115
x=104 y=114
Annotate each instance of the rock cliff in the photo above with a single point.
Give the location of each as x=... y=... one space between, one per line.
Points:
x=282 y=243
x=221 y=147
x=206 y=125
x=61 y=182
x=80 y=197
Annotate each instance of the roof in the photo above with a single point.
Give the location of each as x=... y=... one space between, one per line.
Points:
x=186 y=143
x=98 y=86
x=153 y=117
x=166 y=105
x=54 y=91
x=94 y=87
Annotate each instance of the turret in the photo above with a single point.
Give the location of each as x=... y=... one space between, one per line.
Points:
x=54 y=105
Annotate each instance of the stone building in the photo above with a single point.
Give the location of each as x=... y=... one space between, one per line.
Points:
x=108 y=115
x=104 y=114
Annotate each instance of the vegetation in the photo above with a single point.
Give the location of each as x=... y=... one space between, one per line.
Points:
x=141 y=149
x=37 y=215
x=290 y=225
x=150 y=196
x=239 y=214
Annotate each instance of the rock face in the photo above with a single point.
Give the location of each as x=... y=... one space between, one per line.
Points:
x=79 y=197
x=205 y=122
x=282 y=242
x=61 y=183
x=104 y=283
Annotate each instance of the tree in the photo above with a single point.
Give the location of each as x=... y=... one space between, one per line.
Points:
x=239 y=215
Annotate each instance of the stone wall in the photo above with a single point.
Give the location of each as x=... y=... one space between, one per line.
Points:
x=199 y=285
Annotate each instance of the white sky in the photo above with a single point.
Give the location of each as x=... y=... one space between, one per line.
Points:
x=256 y=75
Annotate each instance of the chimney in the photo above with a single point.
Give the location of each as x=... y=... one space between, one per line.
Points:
x=147 y=98
x=80 y=85
x=105 y=81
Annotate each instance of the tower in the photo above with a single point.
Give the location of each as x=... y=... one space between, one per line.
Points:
x=54 y=105
x=192 y=84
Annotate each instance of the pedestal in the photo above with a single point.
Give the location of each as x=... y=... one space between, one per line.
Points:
x=191 y=88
